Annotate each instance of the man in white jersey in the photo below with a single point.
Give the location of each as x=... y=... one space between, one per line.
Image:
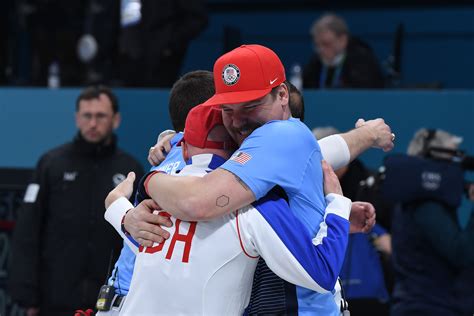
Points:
x=206 y=268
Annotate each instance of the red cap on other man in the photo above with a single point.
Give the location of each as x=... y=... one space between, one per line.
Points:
x=246 y=73
x=199 y=123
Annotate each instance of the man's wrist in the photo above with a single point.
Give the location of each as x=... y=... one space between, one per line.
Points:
x=122 y=224
x=115 y=213
x=111 y=198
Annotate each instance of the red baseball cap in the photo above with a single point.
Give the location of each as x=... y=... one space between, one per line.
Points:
x=246 y=73
x=199 y=122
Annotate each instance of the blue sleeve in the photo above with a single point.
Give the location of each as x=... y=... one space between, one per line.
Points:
x=277 y=153
x=291 y=251
x=378 y=230
x=123 y=270
x=176 y=138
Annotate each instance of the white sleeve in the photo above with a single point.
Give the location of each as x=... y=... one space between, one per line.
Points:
x=335 y=151
x=290 y=250
x=114 y=215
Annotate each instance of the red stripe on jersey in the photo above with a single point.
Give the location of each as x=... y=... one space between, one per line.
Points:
x=148 y=178
x=240 y=239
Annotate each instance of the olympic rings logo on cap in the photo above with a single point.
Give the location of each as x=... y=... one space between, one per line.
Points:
x=230 y=74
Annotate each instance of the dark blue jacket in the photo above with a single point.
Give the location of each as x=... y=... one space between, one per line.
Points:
x=433 y=260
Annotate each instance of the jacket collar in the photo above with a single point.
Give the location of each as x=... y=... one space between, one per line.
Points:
x=94 y=149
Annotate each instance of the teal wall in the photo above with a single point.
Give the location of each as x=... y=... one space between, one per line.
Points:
x=35 y=120
x=405 y=111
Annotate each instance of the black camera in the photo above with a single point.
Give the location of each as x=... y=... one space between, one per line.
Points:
x=455 y=156
x=438 y=175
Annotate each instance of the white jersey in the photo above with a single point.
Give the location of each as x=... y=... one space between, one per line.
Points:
x=206 y=268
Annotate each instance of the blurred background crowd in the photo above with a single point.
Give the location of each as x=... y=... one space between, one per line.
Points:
x=418 y=259
x=120 y=43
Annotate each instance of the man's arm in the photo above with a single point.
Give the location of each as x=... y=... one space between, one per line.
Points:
x=374 y=133
x=288 y=247
x=194 y=198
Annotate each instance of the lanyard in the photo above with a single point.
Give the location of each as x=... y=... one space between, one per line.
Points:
x=335 y=77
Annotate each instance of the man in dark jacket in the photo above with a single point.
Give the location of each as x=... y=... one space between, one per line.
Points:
x=61 y=245
x=340 y=60
x=433 y=254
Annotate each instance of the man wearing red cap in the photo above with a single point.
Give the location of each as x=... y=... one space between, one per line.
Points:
x=275 y=150
x=206 y=267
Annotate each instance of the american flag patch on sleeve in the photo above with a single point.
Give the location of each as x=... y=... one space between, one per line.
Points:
x=241 y=157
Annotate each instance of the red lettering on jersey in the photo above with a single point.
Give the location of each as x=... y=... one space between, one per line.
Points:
x=187 y=239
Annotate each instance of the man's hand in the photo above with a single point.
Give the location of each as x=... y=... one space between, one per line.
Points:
x=158 y=152
x=362 y=217
x=125 y=188
x=144 y=226
x=384 y=244
x=331 y=182
x=381 y=133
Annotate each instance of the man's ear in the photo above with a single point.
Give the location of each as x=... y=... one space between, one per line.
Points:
x=284 y=96
x=185 y=151
x=117 y=120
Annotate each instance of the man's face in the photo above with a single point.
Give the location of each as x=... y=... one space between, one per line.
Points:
x=241 y=119
x=329 y=45
x=96 y=120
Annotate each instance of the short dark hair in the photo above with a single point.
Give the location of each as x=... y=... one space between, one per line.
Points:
x=94 y=92
x=296 y=101
x=190 y=90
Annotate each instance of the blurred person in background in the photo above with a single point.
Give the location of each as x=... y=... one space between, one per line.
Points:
x=340 y=60
x=61 y=245
x=433 y=254
x=55 y=27
x=5 y=38
x=155 y=37
x=362 y=273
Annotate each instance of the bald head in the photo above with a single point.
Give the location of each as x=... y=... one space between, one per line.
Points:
x=218 y=134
